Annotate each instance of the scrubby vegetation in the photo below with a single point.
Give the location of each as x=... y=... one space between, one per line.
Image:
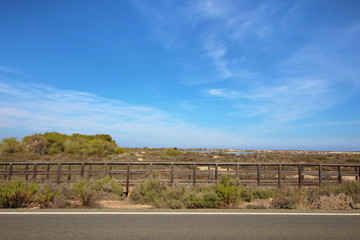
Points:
x=342 y=197
x=53 y=146
x=53 y=143
x=225 y=194
x=19 y=194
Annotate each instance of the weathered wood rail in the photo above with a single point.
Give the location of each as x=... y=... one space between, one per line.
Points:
x=130 y=173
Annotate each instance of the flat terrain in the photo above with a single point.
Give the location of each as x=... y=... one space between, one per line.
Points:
x=191 y=225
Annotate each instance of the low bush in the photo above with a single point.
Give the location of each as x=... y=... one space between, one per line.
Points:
x=287 y=199
x=245 y=194
x=109 y=185
x=172 y=152
x=45 y=198
x=211 y=200
x=284 y=202
x=226 y=190
x=149 y=192
x=34 y=144
x=334 y=202
x=264 y=193
x=174 y=196
x=10 y=145
x=15 y=194
x=85 y=193
x=194 y=200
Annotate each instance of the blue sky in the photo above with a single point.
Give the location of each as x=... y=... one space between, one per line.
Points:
x=227 y=74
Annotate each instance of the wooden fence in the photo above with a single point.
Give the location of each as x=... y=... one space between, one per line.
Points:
x=184 y=173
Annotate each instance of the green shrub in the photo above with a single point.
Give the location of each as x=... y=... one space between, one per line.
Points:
x=348 y=188
x=288 y=199
x=226 y=190
x=194 y=200
x=85 y=193
x=119 y=150
x=55 y=142
x=174 y=196
x=245 y=194
x=149 y=192
x=284 y=202
x=174 y=204
x=16 y=194
x=211 y=200
x=44 y=199
x=202 y=197
x=74 y=146
x=35 y=144
x=263 y=193
x=10 y=145
x=172 y=152
x=107 y=184
x=176 y=192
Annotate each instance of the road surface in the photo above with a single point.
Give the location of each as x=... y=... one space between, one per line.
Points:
x=176 y=226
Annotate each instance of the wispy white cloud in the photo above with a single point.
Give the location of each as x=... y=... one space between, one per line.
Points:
x=9 y=70
x=332 y=123
x=217 y=52
x=331 y=55
x=294 y=99
x=37 y=108
x=34 y=108
x=204 y=32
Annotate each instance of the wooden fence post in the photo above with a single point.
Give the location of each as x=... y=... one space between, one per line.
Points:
x=82 y=170
x=105 y=169
x=208 y=173
x=48 y=172
x=172 y=174
x=247 y=172
x=90 y=168
x=69 y=177
x=300 y=175
x=127 y=177
x=58 y=173
x=237 y=171
x=110 y=169
x=10 y=171
x=320 y=175
x=279 y=176
x=5 y=172
x=216 y=172
x=26 y=172
x=340 y=174
x=34 y=171
x=150 y=170
x=194 y=174
x=258 y=174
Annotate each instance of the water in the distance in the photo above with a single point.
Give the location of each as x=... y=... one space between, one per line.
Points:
x=236 y=153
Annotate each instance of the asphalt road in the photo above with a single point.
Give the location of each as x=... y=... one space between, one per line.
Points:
x=169 y=226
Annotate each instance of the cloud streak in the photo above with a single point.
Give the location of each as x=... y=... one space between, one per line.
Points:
x=38 y=108
x=293 y=100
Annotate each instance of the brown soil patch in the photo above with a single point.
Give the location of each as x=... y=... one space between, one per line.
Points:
x=116 y=204
x=256 y=204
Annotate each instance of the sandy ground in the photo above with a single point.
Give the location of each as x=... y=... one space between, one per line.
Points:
x=113 y=204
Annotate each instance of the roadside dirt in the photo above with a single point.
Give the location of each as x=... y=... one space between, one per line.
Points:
x=114 y=204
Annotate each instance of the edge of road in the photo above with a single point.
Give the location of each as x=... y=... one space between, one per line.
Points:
x=84 y=211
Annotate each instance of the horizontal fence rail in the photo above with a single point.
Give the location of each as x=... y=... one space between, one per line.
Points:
x=130 y=173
